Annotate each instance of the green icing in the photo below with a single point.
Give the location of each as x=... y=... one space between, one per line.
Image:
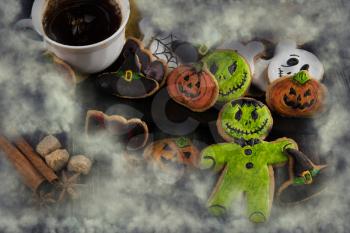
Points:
x=203 y=49
x=306 y=179
x=130 y=64
x=246 y=119
x=245 y=170
x=182 y=142
x=122 y=74
x=231 y=71
x=302 y=77
x=244 y=166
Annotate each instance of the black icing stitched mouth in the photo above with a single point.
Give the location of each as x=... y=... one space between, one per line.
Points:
x=234 y=89
x=297 y=105
x=246 y=132
x=183 y=91
x=280 y=71
x=286 y=66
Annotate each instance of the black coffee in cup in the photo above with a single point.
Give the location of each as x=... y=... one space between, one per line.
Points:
x=81 y=22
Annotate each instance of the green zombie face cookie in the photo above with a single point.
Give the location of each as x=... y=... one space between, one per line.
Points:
x=232 y=73
x=244 y=119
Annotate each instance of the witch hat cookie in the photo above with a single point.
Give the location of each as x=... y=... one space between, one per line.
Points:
x=138 y=76
x=306 y=179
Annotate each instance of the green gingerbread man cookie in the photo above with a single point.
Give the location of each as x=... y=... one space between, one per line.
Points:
x=231 y=71
x=246 y=161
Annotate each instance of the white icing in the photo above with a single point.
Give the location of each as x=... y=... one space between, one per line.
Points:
x=287 y=50
x=250 y=51
x=276 y=67
x=259 y=77
x=159 y=44
x=160 y=47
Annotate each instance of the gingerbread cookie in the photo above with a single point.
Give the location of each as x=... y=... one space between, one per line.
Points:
x=296 y=96
x=301 y=171
x=162 y=47
x=64 y=69
x=250 y=51
x=174 y=51
x=133 y=133
x=246 y=162
x=170 y=152
x=193 y=86
x=231 y=71
x=287 y=61
x=172 y=156
x=138 y=76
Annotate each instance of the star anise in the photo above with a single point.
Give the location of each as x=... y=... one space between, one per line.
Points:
x=44 y=200
x=67 y=186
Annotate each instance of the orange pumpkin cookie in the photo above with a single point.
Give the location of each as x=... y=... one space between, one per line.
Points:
x=296 y=96
x=194 y=87
x=168 y=154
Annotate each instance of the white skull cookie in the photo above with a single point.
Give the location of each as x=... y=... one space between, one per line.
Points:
x=287 y=61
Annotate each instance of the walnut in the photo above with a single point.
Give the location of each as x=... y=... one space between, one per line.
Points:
x=80 y=164
x=47 y=145
x=57 y=159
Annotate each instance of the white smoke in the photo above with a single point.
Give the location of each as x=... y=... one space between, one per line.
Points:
x=33 y=93
x=120 y=198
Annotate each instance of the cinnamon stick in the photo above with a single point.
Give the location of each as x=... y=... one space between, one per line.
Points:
x=35 y=159
x=26 y=170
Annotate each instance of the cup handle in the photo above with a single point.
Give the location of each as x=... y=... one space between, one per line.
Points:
x=24 y=23
x=28 y=24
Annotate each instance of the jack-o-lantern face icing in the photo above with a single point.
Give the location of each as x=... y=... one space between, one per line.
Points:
x=244 y=119
x=297 y=96
x=197 y=90
x=231 y=71
x=170 y=154
x=137 y=77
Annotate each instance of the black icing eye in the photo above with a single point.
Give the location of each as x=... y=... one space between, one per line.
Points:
x=238 y=115
x=292 y=61
x=187 y=155
x=166 y=147
x=307 y=93
x=305 y=67
x=232 y=68
x=292 y=91
x=255 y=115
x=187 y=78
x=213 y=68
x=198 y=84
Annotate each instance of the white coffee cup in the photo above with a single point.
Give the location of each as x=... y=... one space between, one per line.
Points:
x=86 y=59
